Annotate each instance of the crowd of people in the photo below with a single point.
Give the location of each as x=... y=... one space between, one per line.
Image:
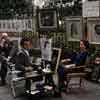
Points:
x=23 y=59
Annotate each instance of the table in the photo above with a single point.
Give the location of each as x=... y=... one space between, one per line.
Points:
x=45 y=87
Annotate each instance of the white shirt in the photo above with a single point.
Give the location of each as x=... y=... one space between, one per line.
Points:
x=26 y=52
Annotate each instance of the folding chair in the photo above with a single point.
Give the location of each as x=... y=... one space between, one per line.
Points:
x=16 y=83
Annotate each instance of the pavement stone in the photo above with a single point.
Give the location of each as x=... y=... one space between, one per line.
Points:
x=91 y=91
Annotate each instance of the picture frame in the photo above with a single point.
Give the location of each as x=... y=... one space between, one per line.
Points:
x=56 y=56
x=74 y=30
x=93 y=26
x=47 y=20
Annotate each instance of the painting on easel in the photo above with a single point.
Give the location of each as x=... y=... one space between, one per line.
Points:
x=47 y=20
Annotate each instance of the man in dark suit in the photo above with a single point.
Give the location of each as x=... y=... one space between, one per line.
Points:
x=23 y=62
x=5 y=49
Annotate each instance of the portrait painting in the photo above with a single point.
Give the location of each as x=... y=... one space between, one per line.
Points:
x=74 y=29
x=47 y=20
x=93 y=25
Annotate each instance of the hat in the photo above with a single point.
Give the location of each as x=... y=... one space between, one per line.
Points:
x=4 y=34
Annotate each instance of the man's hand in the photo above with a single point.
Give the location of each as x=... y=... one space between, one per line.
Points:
x=8 y=59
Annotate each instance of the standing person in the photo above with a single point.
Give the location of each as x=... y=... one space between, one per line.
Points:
x=23 y=60
x=5 y=48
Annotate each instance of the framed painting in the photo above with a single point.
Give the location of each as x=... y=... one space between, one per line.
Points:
x=56 y=58
x=47 y=20
x=74 y=31
x=93 y=26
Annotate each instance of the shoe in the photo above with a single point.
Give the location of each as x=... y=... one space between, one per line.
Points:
x=62 y=88
x=57 y=92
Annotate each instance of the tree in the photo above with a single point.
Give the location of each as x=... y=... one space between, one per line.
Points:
x=67 y=7
x=9 y=8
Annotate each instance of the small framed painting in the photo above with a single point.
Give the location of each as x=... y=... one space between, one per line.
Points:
x=93 y=26
x=74 y=31
x=47 y=20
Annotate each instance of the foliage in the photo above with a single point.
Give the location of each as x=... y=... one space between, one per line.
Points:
x=9 y=8
x=66 y=7
x=27 y=34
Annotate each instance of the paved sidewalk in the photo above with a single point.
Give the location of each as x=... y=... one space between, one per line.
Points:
x=90 y=92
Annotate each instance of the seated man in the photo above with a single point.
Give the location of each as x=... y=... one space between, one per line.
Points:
x=23 y=61
x=77 y=59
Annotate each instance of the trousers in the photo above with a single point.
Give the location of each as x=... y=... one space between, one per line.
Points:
x=3 y=71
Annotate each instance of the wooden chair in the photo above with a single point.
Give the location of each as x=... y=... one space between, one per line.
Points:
x=74 y=74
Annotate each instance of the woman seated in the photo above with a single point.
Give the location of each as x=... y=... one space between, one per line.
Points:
x=77 y=59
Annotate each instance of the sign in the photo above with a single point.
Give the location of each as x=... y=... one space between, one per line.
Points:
x=16 y=25
x=91 y=8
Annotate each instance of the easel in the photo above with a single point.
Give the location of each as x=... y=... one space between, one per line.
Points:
x=46 y=56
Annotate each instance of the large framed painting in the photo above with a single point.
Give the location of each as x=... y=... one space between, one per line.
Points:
x=74 y=31
x=47 y=20
x=93 y=26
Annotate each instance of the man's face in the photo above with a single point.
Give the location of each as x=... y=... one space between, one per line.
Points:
x=27 y=44
x=6 y=38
